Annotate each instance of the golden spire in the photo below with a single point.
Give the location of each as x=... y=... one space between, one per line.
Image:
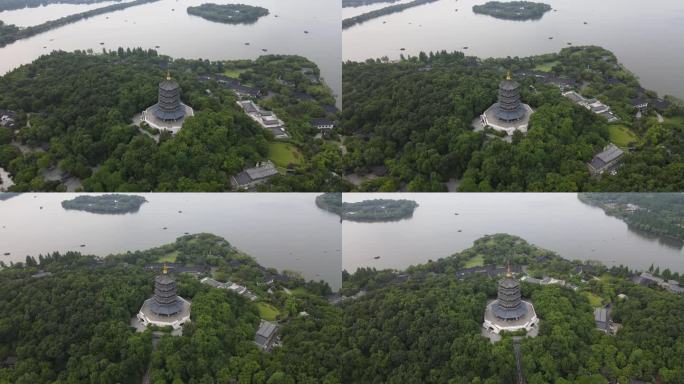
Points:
x=168 y=75
x=165 y=270
x=508 y=76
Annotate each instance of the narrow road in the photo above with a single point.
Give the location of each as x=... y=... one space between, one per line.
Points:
x=518 y=360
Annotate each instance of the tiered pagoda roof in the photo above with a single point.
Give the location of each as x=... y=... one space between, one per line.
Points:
x=169 y=106
x=509 y=108
x=509 y=304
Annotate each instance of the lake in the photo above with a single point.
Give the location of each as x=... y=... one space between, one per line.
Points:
x=644 y=35
x=181 y=35
x=558 y=222
x=284 y=231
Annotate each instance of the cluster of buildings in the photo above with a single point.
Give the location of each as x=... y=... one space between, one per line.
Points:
x=548 y=78
x=606 y=161
x=648 y=279
x=593 y=105
x=266 y=119
x=549 y=281
x=249 y=178
x=8 y=119
x=603 y=320
x=239 y=289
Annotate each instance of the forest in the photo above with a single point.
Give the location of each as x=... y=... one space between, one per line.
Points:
x=105 y=204
x=415 y=117
x=76 y=110
x=427 y=329
x=660 y=214
x=375 y=210
x=9 y=35
x=228 y=13
x=351 y=21
x=8 y=5
x=70 y=323
x=513 y=10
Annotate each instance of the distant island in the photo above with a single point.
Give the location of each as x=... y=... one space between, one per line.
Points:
x=360 y=3
x=660 y=214
x=228 y=13
x=351 y=21
x=107 y=204
x=514 y=10
x=9 y=5
x=10 y=33
x=368 y=210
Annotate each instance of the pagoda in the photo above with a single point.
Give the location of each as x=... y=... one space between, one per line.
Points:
x=509 y=312
x=508 y=114
x=509 y=108
x=169 y=113
x=165 y=307
x=169 y=107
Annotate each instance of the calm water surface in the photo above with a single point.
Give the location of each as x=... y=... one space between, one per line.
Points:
x=558 y=222
x=167 y=24
x=31 y=16
x=284 y=231
x=646 y=36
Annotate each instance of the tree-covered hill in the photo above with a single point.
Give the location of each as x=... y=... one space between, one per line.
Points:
x=65 y=319
x=426 y=327
x=415 y=117
x=513 y=10
x=76 y=110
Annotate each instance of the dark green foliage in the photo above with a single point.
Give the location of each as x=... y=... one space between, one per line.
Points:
x=428 y=329
x=80 y=107
x=346 y=23
x=415 y=117
x=513 y=10
x=660 y=214
x=114 y=203
x=229 y=13
x=72 y=327
x=367 y=210
x=9 y=34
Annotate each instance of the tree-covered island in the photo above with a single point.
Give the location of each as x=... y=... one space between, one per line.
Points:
x=660 y=214
x=228 y=13
x=105 y=204
x=351 y=21
x=513 y=10
x=376 y=210
x=75 y=116
x=67 y=318
x=8 y=5
x=418 y=120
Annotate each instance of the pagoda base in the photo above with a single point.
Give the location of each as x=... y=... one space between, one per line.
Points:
x=147 y=317
x=173 y=126
x=489 y=119
x=529 y=321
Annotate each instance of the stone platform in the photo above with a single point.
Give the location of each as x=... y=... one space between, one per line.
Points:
x=488 y=118
x=529 y=321
x=147 y=317
x=173 y=126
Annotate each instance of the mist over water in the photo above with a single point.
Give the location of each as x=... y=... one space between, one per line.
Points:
x=284 y=231
x=558 y=222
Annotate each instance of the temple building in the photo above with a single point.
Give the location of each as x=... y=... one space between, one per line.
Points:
x=509 y=114
x=509 y=312
x=165 y=307
x=169 y=113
